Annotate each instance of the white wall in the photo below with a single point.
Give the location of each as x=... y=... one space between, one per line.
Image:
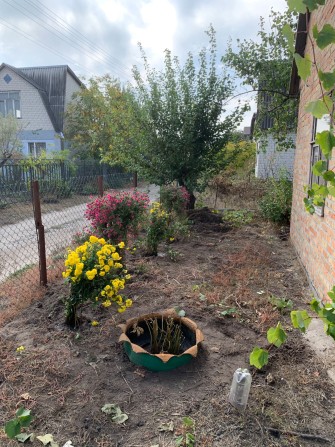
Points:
x=270 y=163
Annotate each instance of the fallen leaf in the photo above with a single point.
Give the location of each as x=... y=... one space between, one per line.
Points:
x=23 y=437
x=166 y=426
x=46 y=439
x=25 y=396
x=68 y=444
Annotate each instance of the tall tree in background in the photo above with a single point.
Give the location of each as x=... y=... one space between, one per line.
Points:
x=10 y=143
x=265 y=67
x=99 y=121
x=181 y=112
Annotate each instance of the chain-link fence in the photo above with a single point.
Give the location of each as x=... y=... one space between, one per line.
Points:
x=57 y=213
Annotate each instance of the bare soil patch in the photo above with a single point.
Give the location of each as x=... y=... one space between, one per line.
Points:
x=65 y=376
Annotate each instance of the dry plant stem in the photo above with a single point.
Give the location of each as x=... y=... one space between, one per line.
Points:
x=277 y=431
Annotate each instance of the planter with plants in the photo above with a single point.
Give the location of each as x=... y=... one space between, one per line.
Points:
x=161 y=341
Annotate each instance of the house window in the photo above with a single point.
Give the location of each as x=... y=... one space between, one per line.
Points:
x=35 y=149
x=319 y=125
x=10 y=103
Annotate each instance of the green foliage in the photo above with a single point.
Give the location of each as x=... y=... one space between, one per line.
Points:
x=100 y=122
x=166 y=335
x=304 y=65
x=300 y=319
x=10 y=143
x=187 y=438
x=320 y=107
x=276 y=204
x=238 y=218
x=158 y=228
x=276 y=336
x=259 y=357
x=264 y=65
x=281 y=304
x=182 y=116
x=23 y=419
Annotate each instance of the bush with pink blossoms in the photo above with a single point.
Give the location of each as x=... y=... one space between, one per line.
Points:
x=175 y=199
x=116 y=216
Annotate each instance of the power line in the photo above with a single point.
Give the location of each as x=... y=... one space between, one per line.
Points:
x=63 y=24
x=29 y=37
x=63 y=37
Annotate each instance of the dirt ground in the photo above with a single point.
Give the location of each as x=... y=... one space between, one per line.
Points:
x=66 y=376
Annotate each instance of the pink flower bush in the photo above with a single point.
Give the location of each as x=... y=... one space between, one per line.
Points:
x=175 y=198
x=115 y=216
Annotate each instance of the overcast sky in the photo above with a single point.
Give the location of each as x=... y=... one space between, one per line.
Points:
x=95 y=37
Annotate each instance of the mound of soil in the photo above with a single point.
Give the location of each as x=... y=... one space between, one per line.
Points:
x=203 y=219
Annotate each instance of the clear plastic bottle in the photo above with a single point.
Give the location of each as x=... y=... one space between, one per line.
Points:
x=240 y=387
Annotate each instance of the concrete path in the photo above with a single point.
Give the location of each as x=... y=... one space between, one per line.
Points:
x=18 y=242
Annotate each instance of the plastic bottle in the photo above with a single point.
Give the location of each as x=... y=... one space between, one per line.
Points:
x=240 y=387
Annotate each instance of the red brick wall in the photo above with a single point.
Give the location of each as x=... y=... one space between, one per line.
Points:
x=314 y=236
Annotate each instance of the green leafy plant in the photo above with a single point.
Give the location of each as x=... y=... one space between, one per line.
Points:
x=166 y=335
x=238 y=218
x=276 y=204
x=157 y=228
x=317 y=193
x=13 y=427
x=95 y=274
x=187 y=438
x=281 y=304
x=174 y=255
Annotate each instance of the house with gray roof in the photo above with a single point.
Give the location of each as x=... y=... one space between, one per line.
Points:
x=38 y=97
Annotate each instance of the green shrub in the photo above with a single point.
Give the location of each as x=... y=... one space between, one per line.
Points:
x=277 y=201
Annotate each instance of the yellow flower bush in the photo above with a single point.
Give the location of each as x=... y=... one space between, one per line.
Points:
x=95 y=274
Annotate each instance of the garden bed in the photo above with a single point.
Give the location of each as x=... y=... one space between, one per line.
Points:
x=225 y=279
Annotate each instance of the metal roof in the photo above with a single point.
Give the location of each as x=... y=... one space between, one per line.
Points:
x=51 y=84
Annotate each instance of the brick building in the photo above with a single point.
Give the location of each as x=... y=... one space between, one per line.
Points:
x=313 y=235
x=38 y=97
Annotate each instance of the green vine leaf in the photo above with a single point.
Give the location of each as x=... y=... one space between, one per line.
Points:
x=304 y=65
x=325 y=37
x=327 y=79
x=331 y=330
x=12 y=428
x=331 y=294
x=296 y=5
x=313 y=4
x=329 y=176
x=276 y=336
x=259 y=357
x=300 y=319
x=289 y=36
x=320 y=167
x=331 y=190
x=320 y=107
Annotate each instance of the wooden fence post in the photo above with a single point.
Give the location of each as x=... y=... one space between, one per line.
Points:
x=40 y=233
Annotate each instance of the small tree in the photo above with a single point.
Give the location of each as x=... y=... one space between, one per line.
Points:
x=99 y=121
x=10 y=143
x=264 y=66
x=180 y=110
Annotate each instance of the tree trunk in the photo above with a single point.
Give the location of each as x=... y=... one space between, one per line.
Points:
x=191 y=202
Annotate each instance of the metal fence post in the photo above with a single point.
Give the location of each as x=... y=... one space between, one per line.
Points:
x=135 y=180
x=40 y=233
x=101 y=185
